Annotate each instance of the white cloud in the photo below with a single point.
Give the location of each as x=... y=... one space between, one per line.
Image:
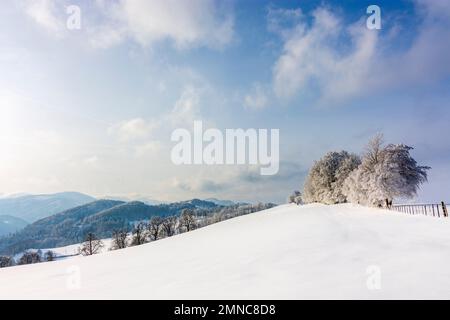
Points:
x=106 y=36
x=45 y=14
x=332 y=62
x=187 y=107
x=134 y=129
x=257 y=98
x=149 y=148
x=185 y=23
x=311 y=57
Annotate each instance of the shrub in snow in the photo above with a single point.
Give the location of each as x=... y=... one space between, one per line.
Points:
x=326 y=178
x=29 y=257
x=295 y=197
x=49 y=256
x=385 y=173
x=6 y=261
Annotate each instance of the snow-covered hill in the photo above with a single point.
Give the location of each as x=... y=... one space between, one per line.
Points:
x=312 y=251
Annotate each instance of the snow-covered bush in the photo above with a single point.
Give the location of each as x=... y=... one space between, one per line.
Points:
x=6 y=261
x=29 y=257
x=326 y=178
x=295 y=197
x=119 y=239
x=385 y=173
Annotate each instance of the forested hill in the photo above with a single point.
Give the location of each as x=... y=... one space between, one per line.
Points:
x=100 y=217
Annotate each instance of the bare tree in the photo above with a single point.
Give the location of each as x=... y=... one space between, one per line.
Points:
x=155 y=228
x=29 y=257
x=169 y=225
x=49 y=256
x=187 y=220
x=119 y=239
x=139 y=235
x=91 y=245
x=6 y=261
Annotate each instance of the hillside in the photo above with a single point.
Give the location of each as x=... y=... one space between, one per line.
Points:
x=34 y=207
x=100 y=217
x=57 y=230
x=312 y=251
x=10 y=224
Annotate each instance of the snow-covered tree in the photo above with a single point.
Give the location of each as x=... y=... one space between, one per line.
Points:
x=155 y=228
x=6 y=261
x=49 y=256
x=169 y=225
x=295 y=197
x=385 y=173
x=91 y=245
x=119 y=239
x=139 y=234
x=187 y=220
x=326 y=178
x=29 y=257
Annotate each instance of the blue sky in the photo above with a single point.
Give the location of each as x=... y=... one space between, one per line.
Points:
x=92 y=109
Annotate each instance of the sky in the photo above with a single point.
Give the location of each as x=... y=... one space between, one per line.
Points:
x=92 y=109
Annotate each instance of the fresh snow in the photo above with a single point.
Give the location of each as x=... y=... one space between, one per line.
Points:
x=66 y=251
x=287 y=252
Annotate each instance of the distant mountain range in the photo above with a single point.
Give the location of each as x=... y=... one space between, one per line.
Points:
x=34 y=207
x=10 y=224
x=19 y=210
x=225 y=203
x=100 y=217
x=143 y=199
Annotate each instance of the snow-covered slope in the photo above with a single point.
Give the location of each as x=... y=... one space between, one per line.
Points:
x=312 y=251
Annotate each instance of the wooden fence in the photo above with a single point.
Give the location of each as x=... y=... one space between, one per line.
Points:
x=433 y=210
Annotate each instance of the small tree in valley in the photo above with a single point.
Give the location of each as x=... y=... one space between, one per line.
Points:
x=169 y=225
x=119 y=239
x=91 y=245
x=187 y=220
x=155 y=228
x=6 y=261
x=139 y=234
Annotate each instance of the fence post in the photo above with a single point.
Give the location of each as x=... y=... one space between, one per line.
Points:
x=444 y=209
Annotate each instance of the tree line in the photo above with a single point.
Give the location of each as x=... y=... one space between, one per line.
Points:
x=162 y=227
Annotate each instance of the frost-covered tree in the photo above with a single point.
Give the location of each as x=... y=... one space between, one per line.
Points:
x=119 y=239
x=139 y=234
x=49 y=256
x=187 y=220
x=385 y=173
x=29 y=257
x=91 y=245
x=6 y=261
x=155 y=228
x=295 y=197
x=169 y=225
x=326 y=178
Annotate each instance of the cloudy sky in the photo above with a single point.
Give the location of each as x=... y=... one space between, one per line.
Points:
x=92 y=109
